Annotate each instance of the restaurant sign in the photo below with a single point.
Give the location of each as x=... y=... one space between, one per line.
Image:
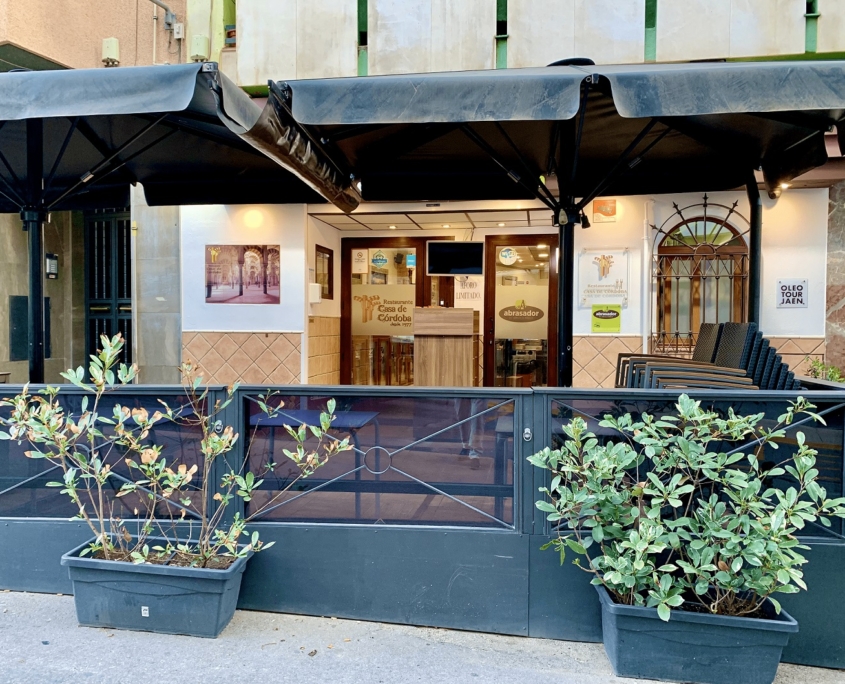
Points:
x=603 y=276
x=792 y=293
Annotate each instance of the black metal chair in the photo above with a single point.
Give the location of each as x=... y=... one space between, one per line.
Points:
x=629 y=366
x=738 y=351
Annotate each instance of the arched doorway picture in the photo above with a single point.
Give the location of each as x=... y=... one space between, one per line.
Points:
x=700 y=274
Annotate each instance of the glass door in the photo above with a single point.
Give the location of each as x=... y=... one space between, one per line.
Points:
x=382 y=286
x=520 y=311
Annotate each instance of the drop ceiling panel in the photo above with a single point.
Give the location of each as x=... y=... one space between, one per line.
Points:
x=371 y=219
x=498 y=216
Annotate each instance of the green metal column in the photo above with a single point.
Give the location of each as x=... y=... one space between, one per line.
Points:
x=501 y=34
x=811 y=27
x=650 y=31
x=363 y=63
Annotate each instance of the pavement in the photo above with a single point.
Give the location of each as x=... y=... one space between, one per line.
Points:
x=41 y=643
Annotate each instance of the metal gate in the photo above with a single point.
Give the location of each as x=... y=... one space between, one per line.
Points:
x=108 y=277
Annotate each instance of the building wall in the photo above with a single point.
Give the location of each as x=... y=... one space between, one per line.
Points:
x=70 y=33
x=835 y=305
x=286 y=39
x=62 y=236
x=156 y=285
x=254 y=343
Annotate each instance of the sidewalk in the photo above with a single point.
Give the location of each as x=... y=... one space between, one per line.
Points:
x=40 y=643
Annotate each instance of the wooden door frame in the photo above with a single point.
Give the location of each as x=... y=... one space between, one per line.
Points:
x=421 y=293
x=491 y=242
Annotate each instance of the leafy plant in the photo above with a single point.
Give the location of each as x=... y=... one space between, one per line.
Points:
x=665 y=518
x=173 y=500
x=823 y=371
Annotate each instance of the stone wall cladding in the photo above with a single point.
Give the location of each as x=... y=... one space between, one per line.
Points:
x=323 y=350
x=249 y=358
x=835 y=328
x=797 y=352
x=595 y=357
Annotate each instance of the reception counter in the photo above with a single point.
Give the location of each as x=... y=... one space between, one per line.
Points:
x=446 y=347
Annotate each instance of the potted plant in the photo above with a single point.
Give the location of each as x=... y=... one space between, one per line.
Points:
x=176 y=565
x=685 y=537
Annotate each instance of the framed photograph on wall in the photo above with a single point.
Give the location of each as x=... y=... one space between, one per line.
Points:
x=324 y=270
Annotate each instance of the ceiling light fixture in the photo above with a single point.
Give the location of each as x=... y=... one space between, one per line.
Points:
x=501 y=225
x=392 y=227
x=542 y=246
x=543 y=255
x=446 y=225
x=784 y=186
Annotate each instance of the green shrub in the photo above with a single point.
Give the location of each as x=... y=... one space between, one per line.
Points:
x=664 y=515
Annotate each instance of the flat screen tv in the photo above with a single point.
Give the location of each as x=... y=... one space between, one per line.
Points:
x=453 y=258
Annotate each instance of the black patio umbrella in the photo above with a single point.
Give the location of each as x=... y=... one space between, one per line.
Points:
x=648 y=128
x=76 y=139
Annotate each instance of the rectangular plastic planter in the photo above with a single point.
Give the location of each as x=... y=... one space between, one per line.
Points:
x=153 y=598
x=693 y=647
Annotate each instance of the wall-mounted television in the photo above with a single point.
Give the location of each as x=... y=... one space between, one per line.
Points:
x=453 y=258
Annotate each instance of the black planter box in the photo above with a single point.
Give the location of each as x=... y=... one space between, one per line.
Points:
x=153 y=598
x=693 y=647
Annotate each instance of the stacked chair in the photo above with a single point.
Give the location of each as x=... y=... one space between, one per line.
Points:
x=726 y=355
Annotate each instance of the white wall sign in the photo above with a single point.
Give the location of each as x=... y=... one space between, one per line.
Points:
x=792 y=293
x=469 y=292
x=359 y=261
x=602 y=276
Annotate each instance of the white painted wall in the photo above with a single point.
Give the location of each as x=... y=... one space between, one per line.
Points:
x=767 y=27
x=538 y=42
x=626 y=232
x=320 y=233
x=430 y=35
x=831 y=36
x=693 y=29
x=609 y=31
x=794 y=246
x=283 y=225
x=288 y=39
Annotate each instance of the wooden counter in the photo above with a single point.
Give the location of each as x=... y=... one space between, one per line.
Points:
x=446 y=347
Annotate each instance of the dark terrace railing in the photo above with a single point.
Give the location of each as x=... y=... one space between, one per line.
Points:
x=418 y=456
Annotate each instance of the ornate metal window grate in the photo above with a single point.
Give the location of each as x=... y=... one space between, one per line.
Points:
x=700 y=272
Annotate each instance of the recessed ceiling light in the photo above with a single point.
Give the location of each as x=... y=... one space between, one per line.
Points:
x=392 y=227
x=542 y=246
x=543 y=255
x=501 y=225
x=446 y=225
x=519 y=260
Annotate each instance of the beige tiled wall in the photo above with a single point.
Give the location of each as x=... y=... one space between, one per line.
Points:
x=595 y=358
x=323 y=350
x=251 y=358
x=796 y=352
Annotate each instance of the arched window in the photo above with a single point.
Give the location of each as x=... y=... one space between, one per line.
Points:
x=700 y=275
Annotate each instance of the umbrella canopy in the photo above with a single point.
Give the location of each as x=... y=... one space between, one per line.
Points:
x=458 y=135
x=75 y=139
x=174 y=129
x=565 y=134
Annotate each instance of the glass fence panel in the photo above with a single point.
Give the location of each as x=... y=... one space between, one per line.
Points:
x=412 y=461
x=23 y=481
x=826 y=437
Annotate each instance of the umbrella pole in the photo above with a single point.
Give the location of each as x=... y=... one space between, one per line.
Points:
x=565 y=295
x=755 y=248
x=33 y=217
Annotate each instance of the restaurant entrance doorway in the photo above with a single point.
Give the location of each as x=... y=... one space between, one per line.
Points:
x=520 y=311
x=383 y=279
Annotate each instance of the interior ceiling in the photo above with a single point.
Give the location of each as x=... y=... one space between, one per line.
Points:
x=428 y=220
